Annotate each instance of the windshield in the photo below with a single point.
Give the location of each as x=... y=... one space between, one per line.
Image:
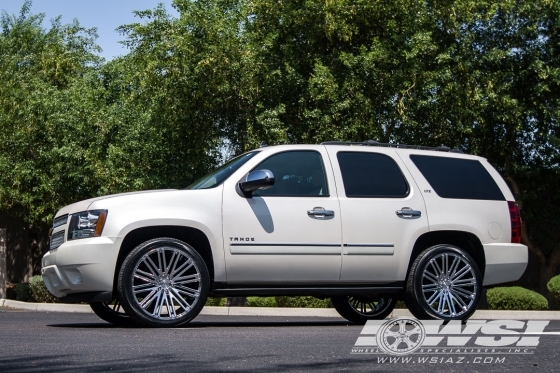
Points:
x=219 y=175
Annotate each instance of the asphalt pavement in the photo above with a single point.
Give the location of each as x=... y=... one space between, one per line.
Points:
x=33 y=341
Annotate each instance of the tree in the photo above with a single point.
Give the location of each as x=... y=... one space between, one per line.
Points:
x=45 y=114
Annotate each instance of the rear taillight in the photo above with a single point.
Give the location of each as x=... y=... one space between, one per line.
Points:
x=515 y=222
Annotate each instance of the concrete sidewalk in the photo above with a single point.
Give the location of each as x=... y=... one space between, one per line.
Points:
x=285 y=312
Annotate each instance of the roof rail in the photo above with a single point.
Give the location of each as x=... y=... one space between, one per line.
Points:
x=441 y=148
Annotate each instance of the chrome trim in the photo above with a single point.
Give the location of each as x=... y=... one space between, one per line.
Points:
x=56 y=240
x=369 y=249
x=284 y=249
x=61 y=220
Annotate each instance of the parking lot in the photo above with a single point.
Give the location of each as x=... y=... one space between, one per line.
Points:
x=33 y=341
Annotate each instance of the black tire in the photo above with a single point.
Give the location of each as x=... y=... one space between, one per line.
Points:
x=361 y=308
x=112 y=313
x=444 y=284
x=163 y=282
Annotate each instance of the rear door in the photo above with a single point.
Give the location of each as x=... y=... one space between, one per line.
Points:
x=382 y=212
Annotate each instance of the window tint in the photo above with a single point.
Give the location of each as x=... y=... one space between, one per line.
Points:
x=371 y=175
x=218 y=176
x=296 y=174
x=458 y=178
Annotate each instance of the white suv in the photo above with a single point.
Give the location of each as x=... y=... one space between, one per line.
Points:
x=364 y=224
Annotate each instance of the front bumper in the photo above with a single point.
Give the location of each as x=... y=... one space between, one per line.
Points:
x=505 y=262
x=81 y=266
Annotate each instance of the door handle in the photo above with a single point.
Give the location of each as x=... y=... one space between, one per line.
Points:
x=319 y=213
x=408 y=213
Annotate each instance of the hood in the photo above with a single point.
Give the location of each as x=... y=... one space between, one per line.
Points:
x=84 y=205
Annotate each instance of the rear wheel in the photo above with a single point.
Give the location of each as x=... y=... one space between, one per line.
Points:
x=112 y=312
x=163 y=282
x=361 y=308
x=444 y=283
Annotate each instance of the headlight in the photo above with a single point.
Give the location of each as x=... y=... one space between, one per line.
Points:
x=87 y=224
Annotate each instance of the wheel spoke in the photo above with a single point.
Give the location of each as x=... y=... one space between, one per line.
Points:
x=454 y=267
x=158 y=307
x=464 y=282
x=180 y=300
x=429 y=286
x=434 y=297
x=174 y=257
x=462 y=292
x=187 y=291
x=461 y=273
x=436 y=266
x=154 y=268
x=187 y=279
x=149 y=298
x=430 y=276
x=147 y=280
x=161 y=260
x=188 y=265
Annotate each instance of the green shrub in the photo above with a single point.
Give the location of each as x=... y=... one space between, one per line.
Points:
x=554 y=287
x=261 y=302
x=40 y=292
x=515 y=298
x=400 y=304
x=302 y=302
x=215 y=301
x=23 y=292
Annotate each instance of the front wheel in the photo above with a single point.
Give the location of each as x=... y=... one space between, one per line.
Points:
x=444 y=283
x=112 y=312
x=163 y=282
x=361 y=308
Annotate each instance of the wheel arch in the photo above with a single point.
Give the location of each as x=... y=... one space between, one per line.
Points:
x=192 y=236
x=464 y=240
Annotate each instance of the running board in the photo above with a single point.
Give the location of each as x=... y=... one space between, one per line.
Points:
x=305 y=291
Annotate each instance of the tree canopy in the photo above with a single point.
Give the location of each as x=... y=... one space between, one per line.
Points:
x=482 y=76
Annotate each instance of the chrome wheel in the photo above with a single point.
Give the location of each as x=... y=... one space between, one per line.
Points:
x=112 y=312
x=368 y=306
x=444 y=283
x=166 y=283
x=449 y=284
x=360 y=308
x=163 y=282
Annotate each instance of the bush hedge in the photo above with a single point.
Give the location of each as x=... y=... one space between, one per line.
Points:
x=299 y=302
x=261 y=302
x=554 y=287
x=24 y=292
x=302 y=302
x=215 y=301
x=515 y=298
x=40 y=292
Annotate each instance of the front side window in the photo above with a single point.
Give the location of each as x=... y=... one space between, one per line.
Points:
x=296 y=174
x=220 y=174
x=371 y=175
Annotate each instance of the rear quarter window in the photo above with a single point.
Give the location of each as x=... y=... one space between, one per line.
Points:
x=458 y=178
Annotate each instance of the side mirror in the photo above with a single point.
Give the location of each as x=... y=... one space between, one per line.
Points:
x=255 y=180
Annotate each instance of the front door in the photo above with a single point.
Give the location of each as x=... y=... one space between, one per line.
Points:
x=289 y=233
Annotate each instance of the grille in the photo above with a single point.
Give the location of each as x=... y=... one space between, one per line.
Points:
x=57 y=239
x=61 y=220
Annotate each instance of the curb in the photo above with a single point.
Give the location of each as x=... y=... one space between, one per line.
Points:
x=284 y=312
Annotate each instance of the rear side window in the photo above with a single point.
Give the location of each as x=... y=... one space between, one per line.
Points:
x=371 y=175
x=458 y=178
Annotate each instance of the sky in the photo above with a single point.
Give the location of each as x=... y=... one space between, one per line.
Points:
x=106 y=15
